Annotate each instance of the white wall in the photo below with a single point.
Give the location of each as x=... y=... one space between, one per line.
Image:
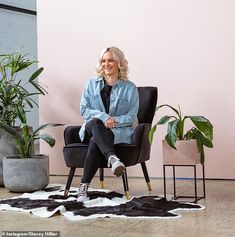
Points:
x=185 y=48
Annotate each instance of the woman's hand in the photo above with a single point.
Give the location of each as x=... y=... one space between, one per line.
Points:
x=110 y=123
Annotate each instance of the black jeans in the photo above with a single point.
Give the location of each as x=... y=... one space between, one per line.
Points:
x=100 y=142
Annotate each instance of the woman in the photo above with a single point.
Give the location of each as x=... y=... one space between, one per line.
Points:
x=109 y=106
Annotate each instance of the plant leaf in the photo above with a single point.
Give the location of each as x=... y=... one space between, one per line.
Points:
x=36 y=74
x=43 y=126
x=47 y=138
x=29 y=102
x=166 y=105
x=164 y=119
x=194 y=133
x=39 y=88
x=9 y=129
x=203 y=125
x=152 y=131
x=171 y=136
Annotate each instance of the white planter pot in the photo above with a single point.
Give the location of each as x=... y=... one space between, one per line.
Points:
x=186 y=153
x=26 y=175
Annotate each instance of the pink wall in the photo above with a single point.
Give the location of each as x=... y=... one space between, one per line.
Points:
x=185 y=48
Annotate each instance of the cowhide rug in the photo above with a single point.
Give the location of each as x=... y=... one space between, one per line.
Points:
x=102 y=203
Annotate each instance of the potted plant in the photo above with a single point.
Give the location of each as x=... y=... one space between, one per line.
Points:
x=15 y=92
x=25 y=171
x=180 y=146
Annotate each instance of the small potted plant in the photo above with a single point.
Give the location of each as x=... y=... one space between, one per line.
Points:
x=25 y=171
x=15 y=92
x=180 y=146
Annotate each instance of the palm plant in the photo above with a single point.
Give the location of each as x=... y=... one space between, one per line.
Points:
x=13 y=92
x=202 y=131
x=25 y=137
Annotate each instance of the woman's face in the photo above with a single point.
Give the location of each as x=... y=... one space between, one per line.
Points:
x=109 y=65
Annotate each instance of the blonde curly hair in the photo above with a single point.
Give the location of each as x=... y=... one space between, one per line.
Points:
x=119 y=57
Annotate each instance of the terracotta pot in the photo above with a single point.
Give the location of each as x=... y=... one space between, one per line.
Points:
x=186 y=153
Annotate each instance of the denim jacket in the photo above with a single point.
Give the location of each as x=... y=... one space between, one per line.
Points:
x=124 y=106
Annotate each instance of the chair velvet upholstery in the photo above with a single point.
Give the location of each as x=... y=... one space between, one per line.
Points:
x=130 y=154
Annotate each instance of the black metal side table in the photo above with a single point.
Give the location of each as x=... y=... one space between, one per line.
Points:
x=196 y=197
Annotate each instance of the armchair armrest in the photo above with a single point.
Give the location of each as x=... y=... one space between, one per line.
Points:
x=140 y=139
x=71 y=135
x=140 y=134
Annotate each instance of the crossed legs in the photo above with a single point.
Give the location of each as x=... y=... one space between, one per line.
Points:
x=100 y=147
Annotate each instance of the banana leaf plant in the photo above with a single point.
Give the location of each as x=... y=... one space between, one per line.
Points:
x=202 y=129
x=25 y=137
x=14 y=91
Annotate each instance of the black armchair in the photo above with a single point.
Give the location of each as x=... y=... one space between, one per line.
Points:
x=130 y=154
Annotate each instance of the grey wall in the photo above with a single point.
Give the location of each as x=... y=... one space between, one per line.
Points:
x=18 y=33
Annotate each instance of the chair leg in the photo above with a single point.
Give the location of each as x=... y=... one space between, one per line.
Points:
x=125 y=184
x=146 y=175
x=101 y=170
x=69 y=181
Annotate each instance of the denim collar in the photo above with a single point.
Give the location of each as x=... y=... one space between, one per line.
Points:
x=117 y=83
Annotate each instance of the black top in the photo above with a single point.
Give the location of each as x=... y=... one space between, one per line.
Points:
x=105 y=95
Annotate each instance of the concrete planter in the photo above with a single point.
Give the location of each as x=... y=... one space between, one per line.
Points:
x=186 y=153
x=7 y=148
x=26 y=175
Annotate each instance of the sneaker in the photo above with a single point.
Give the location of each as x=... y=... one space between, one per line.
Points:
x=118 y=167
x=82 y=192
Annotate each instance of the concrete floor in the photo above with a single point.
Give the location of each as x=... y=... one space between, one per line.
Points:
x=218 y=219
